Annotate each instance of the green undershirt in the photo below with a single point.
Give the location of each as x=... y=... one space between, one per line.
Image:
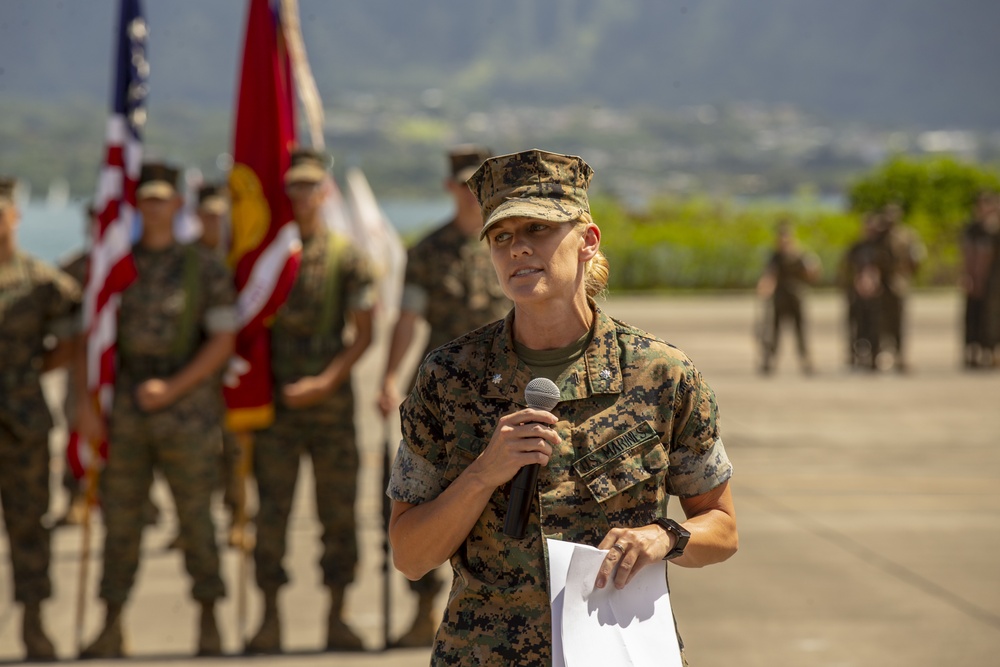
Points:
x=551 y=363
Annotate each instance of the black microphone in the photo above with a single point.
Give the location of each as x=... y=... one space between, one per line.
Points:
x=541 y=393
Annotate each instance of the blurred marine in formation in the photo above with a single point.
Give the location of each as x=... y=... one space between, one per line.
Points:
x=901 y=253
x=37 y=303
x=176 y=328
x=979 y=242
x=451 y=284
x=789 y=271
x=212 y=211
x=861 y=279
x=76 y=266
x=311 y=361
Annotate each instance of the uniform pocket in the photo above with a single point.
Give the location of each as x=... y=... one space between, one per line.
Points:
x=626 y=475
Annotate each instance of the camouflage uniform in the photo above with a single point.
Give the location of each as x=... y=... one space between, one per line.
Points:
x=76 y=267
x=450 y=282
x=638 y=424
x=977 y=243
x=303 y=345
x=901 y=253
x=36 y=300
x=159 y=332
x=791 y=275
x=862 y=282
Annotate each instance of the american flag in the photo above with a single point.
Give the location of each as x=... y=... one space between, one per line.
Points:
x=111 y=267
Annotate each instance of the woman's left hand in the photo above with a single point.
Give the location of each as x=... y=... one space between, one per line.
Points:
x=630 y=550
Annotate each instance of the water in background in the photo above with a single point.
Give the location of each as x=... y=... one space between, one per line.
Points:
x=52 y=232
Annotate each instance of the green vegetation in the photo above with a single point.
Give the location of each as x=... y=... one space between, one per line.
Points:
x=697 y=243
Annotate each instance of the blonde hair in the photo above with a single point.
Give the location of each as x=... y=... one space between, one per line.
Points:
x=598 y=270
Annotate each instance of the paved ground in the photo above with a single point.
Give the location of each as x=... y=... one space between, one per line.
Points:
x=869 y=514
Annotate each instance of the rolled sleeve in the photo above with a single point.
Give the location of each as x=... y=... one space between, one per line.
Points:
x=415 y=299
x=698 y=459
x=413 y=479
x=698 y=472
x=221 y=319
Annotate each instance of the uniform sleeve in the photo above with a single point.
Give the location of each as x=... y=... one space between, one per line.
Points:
x=361 y=282
x=698 y=459
x=220 y=295
x=418 y=472
x=416 y=283
x=415 y=299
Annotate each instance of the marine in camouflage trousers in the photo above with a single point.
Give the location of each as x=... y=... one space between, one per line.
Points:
x=24 y=493
x=184 y=447
x=326 y=434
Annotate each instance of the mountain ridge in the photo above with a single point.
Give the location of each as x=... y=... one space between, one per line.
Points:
x=903 y=62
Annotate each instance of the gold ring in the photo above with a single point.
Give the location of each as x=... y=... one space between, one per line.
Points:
x=620 y=548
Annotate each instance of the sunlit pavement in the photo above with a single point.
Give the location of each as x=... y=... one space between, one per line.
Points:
x=868 y=506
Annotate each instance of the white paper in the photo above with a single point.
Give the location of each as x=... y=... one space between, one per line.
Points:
x=631 y=626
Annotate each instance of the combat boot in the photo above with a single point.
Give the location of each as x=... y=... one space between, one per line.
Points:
x=209 y=641
x=421 y=633
x=37 y=645
x=109 y=643
x=339 y=636
x=268 y=637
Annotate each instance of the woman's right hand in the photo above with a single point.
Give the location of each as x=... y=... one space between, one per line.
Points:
x=520 y=438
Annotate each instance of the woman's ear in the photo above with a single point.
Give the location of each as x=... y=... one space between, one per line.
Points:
x=591 y=242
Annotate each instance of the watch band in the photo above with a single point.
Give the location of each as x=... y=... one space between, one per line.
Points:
x=681 y=533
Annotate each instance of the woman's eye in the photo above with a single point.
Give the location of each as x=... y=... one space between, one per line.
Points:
x=501 y=237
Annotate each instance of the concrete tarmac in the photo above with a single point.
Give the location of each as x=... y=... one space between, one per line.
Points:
x=868 y=509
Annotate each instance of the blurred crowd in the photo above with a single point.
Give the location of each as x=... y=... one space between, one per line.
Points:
x=876 y=274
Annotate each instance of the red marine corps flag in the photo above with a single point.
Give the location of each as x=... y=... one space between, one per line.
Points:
x=266 y=248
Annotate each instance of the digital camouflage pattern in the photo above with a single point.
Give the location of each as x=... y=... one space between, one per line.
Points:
x=451 y=283
x=36 y=301
x=182 y=441
x=299 y=348
x=638 y=424
x=326 y=434
x=532 y=184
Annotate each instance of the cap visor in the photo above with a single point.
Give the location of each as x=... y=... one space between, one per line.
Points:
x=216 y=205
x=155 y=190
x=553 y=210
x=304 y=173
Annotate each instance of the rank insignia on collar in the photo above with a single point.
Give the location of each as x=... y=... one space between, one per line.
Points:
x=497 y=378
x=605 y=374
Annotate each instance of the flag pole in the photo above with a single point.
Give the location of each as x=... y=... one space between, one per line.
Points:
x=90 y=501
x=245 y=441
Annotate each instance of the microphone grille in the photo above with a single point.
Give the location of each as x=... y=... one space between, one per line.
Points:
x=541 y=393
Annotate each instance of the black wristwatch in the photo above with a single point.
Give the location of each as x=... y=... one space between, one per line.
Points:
x=682 y=534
